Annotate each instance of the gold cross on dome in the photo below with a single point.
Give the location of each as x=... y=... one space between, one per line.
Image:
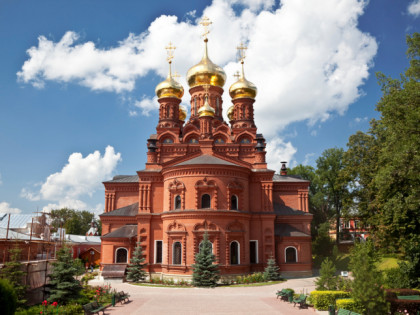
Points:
x=170 y=51
x=205 y=22
x=237 y=75
x=241 y=49
x=176 y=75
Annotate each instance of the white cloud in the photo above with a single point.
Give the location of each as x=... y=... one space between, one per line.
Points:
x=414 y=8
x=277 y=151
x=308 y=158
x=5 y=208
x=147 y=105
x=132 y=113
x=80 y=177
x=307 y=58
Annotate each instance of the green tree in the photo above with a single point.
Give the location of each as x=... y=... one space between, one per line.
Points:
x=13 y=272
x=322 y=246
x=135 y=270
x=329 y=169
x=74 y=221
x=64 y=286
x=383 y=164
x=205 y=272
x=327 y=279
x=272 y=271
x=367 y=289
x=411 y=265
x=8 y=297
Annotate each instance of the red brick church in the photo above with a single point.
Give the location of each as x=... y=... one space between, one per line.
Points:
x=204 y=174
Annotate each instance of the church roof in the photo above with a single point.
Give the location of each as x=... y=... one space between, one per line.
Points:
x=12 y=235
x=288 y=178
x=127 y=211
x=124 y=179
x=280 y=209
x=206 y=159
x=288 y=230
x=126 y=231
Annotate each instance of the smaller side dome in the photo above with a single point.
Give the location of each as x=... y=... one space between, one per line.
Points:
x=206 y=110
x=169 y=88
x=242 y=88
x=182 y=113
x=230 y=112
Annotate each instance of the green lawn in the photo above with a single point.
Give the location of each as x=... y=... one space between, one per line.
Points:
x=387 y=263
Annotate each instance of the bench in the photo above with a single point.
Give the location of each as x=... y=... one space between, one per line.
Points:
x=281 y=293
x=301 y=300
x=342 y=311
x=122 y=297
x=93 y=308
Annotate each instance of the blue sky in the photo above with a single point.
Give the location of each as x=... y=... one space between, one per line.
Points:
x=77 y=81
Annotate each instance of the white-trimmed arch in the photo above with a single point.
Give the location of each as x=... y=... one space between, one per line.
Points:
x=238 y=254
x=296 y=254
x=116 y=256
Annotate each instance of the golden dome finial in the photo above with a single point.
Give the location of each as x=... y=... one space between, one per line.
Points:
x=242 y=88
x=206 y=72
x=169 y=87
x=206 y=109
x=182 y=113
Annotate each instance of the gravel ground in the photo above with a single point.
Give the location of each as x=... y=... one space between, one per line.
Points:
x=221 y=300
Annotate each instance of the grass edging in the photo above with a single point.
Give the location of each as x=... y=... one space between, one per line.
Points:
x=256 y=284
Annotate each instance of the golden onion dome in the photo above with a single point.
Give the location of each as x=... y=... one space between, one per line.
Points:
x=206 y=110
x=230 y=112
x=243 y=88
x=206 y=72
x=182 y=113
x=169 y=87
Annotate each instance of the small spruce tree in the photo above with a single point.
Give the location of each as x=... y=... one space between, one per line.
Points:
x=272 y=271
x=367 y=284
x=205 y=272
x=64 y=286
x=13 y=272
x=135 y=270
x=327 y=279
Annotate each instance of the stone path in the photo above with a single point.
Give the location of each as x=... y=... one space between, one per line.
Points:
x=221 y=300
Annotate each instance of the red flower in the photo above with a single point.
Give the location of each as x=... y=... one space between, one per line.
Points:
x=45 y=302
x=40 y=312
x=55 y=304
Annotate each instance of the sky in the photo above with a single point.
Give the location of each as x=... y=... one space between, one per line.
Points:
x=77 y=82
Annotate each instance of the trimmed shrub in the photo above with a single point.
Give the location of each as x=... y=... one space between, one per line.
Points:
x=8 y=297
x=349 y=304
x=322 y=299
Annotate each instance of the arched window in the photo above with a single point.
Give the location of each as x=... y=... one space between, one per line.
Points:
x=176 y=253
x=205 y=201
x=245 y=140
x=168 y=140
x=234 y=253
x=121 y=255
x=201 y=246
x=177 y=202
x=193 y=140
x=291 y=255
x=219 y=141
x=234 y=202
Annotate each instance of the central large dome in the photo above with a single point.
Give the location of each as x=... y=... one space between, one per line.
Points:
x=206 y=72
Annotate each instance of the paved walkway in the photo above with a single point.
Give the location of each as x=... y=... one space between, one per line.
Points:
x=221 y=300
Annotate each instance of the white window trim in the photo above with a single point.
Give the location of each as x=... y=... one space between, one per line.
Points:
x=155 y=252
x=256 y=247
x=296 y=251
x=239 y=253
x=115 y=255
x=173 y=252
x=347 y=224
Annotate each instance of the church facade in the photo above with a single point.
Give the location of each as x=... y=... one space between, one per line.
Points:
x=206 y=175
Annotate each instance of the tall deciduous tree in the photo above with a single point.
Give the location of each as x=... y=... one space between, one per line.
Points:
x=384 y=164
x=74 y=221
x=135 y=270
x=329 y=169
x=205 y=272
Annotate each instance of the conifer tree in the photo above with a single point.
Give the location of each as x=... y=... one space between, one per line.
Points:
x=13 y=272
x=135 y=270
x=205 y=272
x=64 y=286
x=327 y=279
x=272 y=271
x=367 y=284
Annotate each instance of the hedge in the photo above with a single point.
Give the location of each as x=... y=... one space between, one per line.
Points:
x=349 y=304
x=322 y=299
x=411 y=306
